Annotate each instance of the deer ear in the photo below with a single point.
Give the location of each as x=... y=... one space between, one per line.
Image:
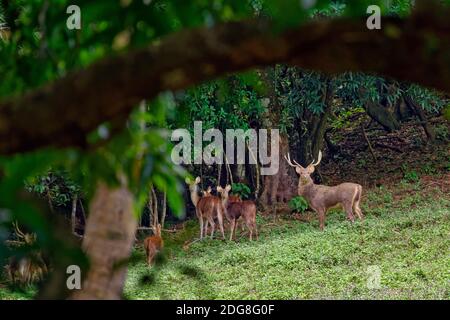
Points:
x=310 y=169
x=187 y=180
x=298 y=170
x=228 y=188
x=219 y=189
x=197 y=180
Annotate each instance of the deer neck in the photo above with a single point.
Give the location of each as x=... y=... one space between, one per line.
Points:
x=225 y=202
x=306 y=189
x=194 y=196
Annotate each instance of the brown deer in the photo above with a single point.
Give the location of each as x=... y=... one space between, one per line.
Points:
x=321 y=198
x=234 y=198
x=153 y=244
x=207 y=208
x=235 y=209
x=194 y=191
x=237 y=198
x=207 y=193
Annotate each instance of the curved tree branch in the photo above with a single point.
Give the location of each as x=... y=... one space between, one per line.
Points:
x=416 y=49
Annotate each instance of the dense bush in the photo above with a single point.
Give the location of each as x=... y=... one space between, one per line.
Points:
x=298 y=204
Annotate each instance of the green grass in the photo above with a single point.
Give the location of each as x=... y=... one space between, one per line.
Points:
x=409 y=242
x=16 y=294
x=406 y=234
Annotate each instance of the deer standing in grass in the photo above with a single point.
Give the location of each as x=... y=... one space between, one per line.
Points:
x=153 y=244
x=321 y=198
x=207 y=208
x=235 y=208
x=237 y=198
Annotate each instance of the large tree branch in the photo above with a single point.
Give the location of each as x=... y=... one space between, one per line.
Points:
x=416 y=49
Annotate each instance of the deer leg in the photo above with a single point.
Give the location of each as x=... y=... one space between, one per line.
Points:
x=200 y=219
x=321 y=214
x=148 y=253
x=220 y=219
x=250 y=229
x=213 y=226
x=256 y=230
x=149 y=258
x=356 y=204
x=348 y=209
x=232 y=228
x=207 y=223
x=359 y=212
x=234 y=231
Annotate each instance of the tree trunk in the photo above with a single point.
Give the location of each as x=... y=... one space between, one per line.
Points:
x=311 y=128
x=280 y=186
x=74 y=214
x=108 y=242
x=421 y=115
x=382 y=116
x=164 y=210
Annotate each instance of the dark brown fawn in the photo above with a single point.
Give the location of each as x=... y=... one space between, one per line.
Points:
x=236 y=198
x=207 y=208
x=321 y=198
x=234 y=210
x=153 y=244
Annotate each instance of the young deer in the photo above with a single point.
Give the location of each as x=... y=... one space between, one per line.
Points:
x=236 y=198
x=234 y=210
x=207 y=193
x=321 y=198
x=207 y=208
x=153 y=244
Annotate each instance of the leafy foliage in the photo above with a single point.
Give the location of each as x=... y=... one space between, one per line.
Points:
x=57 y=187
x=241 y=189
x=298 y=204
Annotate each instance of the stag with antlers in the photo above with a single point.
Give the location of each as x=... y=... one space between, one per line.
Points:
x=321 y=198
x=207 y=208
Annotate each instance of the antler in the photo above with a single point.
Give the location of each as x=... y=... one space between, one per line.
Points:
x=318 y=159
x=288 y=159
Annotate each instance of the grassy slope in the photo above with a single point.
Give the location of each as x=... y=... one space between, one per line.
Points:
x=408 y=239
x=406 y=233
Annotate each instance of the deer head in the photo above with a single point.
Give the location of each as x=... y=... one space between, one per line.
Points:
x=224 y=192
x=192 y=184
x=193 y=189
x=304 y=173
x=157 y=230
x=207 y=193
